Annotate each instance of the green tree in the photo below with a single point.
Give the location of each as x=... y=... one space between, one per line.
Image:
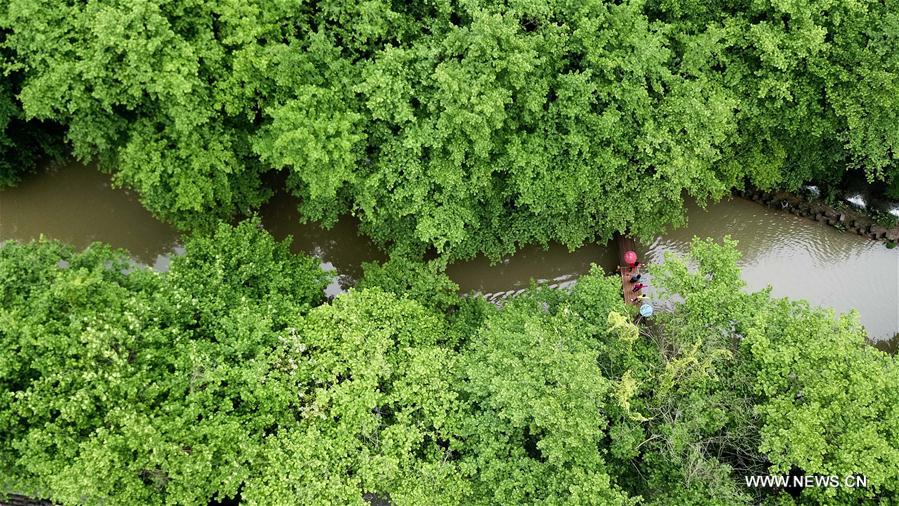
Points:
x=537 y=398
x=461 y=128
x=375 y=398
x=24 y=145
x=121 y=384
x=229 y=377
x=826 y=399
x=425 y=283
x=806 y=391
x=135 y=85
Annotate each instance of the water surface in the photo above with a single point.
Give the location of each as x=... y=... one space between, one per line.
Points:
x=800 y=259
x=78 y=205
x=339 y=248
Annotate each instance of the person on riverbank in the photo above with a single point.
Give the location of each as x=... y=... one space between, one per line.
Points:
x=639 y=298
x=638 y=287
x=636 y=277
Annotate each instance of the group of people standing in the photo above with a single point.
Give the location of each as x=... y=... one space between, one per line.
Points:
x=633 y=270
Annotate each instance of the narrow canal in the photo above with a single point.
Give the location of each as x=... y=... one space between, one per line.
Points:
x=799 y=258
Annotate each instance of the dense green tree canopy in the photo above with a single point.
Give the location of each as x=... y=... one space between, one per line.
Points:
x=375 y=400
x=464 y=127
x=448 y=129
x=231 y=377
x=119 y=383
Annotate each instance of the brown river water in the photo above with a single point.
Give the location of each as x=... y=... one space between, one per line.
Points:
x=798 y=257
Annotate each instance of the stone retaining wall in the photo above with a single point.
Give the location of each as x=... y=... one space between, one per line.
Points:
x=20 y=500
x=847 y=220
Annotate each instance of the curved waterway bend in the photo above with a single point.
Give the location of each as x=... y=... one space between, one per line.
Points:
x=78 y=205
x=799 y=258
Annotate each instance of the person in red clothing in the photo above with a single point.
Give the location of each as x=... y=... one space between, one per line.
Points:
x=638 y=287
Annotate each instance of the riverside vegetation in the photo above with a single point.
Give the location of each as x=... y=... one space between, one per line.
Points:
x=451 y=129
x=230 y=377
x=462 y=127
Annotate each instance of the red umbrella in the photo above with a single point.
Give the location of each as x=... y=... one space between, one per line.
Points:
x=630 y=257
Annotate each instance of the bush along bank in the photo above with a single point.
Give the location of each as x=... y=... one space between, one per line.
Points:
x=230 y=378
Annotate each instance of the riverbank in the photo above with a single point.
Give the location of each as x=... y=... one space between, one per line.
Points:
x=845 y=219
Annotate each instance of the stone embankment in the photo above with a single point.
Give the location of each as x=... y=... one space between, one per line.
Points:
x=843 y=219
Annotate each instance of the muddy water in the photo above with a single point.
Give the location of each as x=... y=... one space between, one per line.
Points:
x=76 y=204
x=340 y=249
x=799 y=258
x=554 y=266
